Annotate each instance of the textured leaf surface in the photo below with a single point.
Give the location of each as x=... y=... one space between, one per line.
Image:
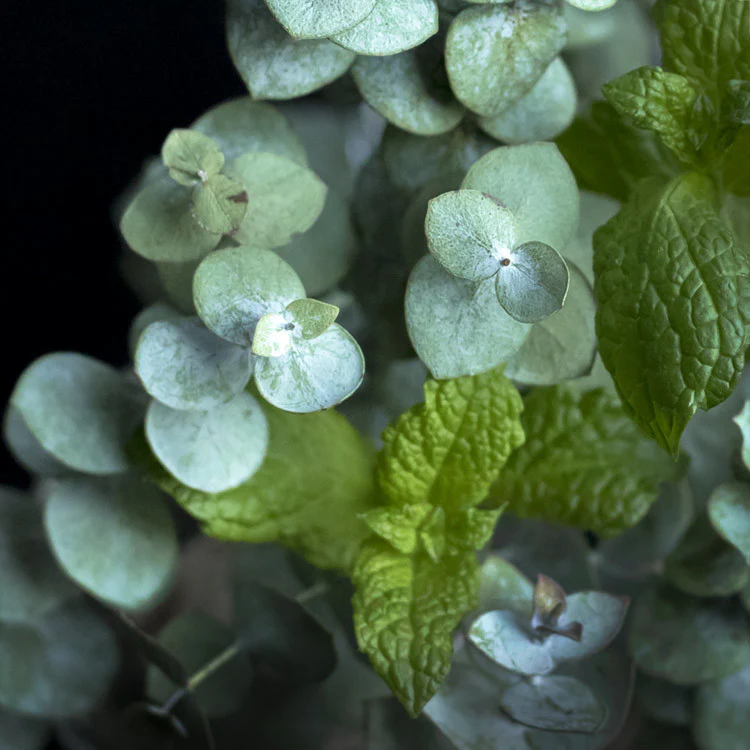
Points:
x=449 y=450
x=584 y=464
x=311 y=504
x=191 y=156
x=671 y=286
x=319 y=18
x=405 y=611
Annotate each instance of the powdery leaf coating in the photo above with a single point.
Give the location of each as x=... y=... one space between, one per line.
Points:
x=584 y=463
x=470 y=233
x=457 y=327
x=541 y=114
x=80 y=410
x=58 y=666
x=392 y=27
x=272 y=64
x=394 y=87
x=405 y=611
x=535 y=182
x=184 y=365
x=671 y=286
x=272 y=335
x=563 y=346
x=242 y=125
x=195 y=639
x=159 y=224
x=235 y=287
x=26 y=449
x=556 y=703
x=729 y=511
x=722 y=712
x=592 y=5
x=450 y=449
x=311 y=505
x=705 y=40
x=688 y=640
x=319 y=18
x=532 y=282
x=283 y=198
x=655 y=100
x=219 y=204
x=32 y=583
x=496 y=53
x=212 y=451
x=114 y=537
x=313 y=374
x=156 y=313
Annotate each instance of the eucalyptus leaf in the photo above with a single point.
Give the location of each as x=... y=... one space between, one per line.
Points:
x=156 y=313
x=688 y=640
x=535 y=182
x=319 y=18
x=81 y=411
x=729 y=511
x=185 y=366
x=391 y=27
x=283 y=198
x=722 y=712
x=586 y=29
x=234 y=288
x=196 y=639
x=541 y=114
x=503 y=586
x=159 y=224
x=563 y=346
x=664 y=701
x=311 y=317
x=113 y=536
x=314 y=374
x=532 y=282
x=271 y=63
x=191 y=156
x=395 y=88
x=457 y=328
x=210 y=451
x=273 y=337
x=177 y=284
x=495 y=54
x=26 y=449
x=31 y=582
x=58 y=666
x=554 y=703
x=219 y=204
x=470 y=233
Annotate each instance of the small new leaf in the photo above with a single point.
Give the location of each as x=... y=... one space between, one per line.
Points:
x=550 y=605
x=220 y=204
x=450 y=449
x=191 y=156
x=312 y=317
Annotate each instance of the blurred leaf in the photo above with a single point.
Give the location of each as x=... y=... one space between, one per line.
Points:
x=389 y=727
x=503 y=586
x=722 y=713
x=664 y=701
x=729 y=511
x=21 y=733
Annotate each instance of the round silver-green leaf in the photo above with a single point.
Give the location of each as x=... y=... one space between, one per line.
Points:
x=394 y=87
x=535 y=182
x=541 y=114
x=191 y=156
x=219 y=204
x=210 y=451
x=729 y=511
x=592 y=5
x=457 y=328
x=26 y=449
x=470 y=233
x=495 y=54
x=314 y=374
x=114 y=536
x=392 y=27
x=504 y=586
x=186 y=366
x=307 y=19
x=81 y=411
x=563 y=346
x=158 y=312
x=235 y=287
x=177 y=282
x=272 y=64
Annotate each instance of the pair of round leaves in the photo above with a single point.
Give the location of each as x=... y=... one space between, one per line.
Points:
x=474 y=236
x=311 y=367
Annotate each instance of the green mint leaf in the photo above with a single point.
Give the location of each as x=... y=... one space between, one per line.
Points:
x=399 y=525
x=472 y=529
x=671 y=286
x=652 y=99
x=609 y=156
x=405 y=611
x=736 y=104
x=449 y=450
x=220 y=204
x=705 y=40
x=191 y=156
x=308 y=494
x=736 y=164
x=584 y=463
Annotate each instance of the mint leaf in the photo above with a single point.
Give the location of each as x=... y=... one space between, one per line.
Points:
x=705 y=40
x=655 y=100
x=472 y=529
x=736 y=164
x=449 y=450
x=309 y=493
x=584 y=463
x=670 y=283
x=405 y=611
x=609 y=156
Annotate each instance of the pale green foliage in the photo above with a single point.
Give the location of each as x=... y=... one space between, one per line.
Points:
x=729 y=511
x=312 y=317
x=723 y=712
x=220 y=204
x=320 y=18
x=191 y=156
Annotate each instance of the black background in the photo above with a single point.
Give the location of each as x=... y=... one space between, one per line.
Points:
x=90 y=89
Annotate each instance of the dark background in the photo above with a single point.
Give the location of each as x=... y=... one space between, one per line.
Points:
x=90 y=89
